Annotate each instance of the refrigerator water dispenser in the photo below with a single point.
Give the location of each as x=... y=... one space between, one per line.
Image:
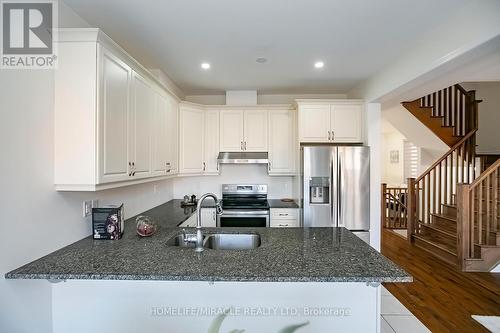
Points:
x=319 y=190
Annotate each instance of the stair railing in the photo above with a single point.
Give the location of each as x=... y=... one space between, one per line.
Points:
x=478 y=206
x=438 y=184
x=457 y=106
x=394 y=209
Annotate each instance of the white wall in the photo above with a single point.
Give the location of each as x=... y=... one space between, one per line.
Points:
x=488 y=135
x=392 y=173
x=261 y=98
x=278 y=187
x=35 y=219
x=373 y=132
x=470 y=26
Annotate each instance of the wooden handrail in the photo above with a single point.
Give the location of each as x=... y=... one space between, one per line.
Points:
x=447 y=154
x=485 y=174
x=462 y=90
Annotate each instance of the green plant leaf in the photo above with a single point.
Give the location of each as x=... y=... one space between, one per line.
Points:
x=217 y=322
x=293 y=328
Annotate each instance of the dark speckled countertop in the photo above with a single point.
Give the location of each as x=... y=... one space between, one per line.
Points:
x=278 y=203
x=285 y=254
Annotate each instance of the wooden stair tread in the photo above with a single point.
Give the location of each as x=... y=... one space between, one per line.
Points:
x=440 y=229
x=433 y=242
x=446 y=217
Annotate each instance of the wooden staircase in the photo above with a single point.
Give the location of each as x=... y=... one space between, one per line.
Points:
x=448 y=113
x=453 y=209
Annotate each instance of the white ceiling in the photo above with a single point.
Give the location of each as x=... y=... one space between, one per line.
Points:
x=355 y=39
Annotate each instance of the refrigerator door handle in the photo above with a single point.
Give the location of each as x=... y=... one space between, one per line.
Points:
x=332 y=215
x=339 y=191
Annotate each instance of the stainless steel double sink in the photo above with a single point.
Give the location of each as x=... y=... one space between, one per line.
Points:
x=220 y=241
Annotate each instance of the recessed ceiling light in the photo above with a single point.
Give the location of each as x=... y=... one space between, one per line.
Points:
x=205 y=65
x=261 y=60
x=319 y=64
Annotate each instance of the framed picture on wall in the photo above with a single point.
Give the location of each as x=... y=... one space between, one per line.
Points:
x=394 y=156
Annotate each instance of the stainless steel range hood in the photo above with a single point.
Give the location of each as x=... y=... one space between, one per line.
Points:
x=243 y=158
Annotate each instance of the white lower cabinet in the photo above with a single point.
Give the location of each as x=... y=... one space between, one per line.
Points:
x=190 y=222
x=208 y=218
x=284 y=218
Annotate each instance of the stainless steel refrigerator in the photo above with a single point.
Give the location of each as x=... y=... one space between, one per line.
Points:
x=336 y=187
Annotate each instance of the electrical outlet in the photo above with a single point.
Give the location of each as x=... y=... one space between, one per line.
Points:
x=88 y=205
x=87 y=208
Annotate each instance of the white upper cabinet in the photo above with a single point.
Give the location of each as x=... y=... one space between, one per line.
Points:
x=211 y=149
x=192 y=130
x=112 y=117
x=314 y=123
x=140 y=134
x=338 y=121
x=282 y=144
x=172 y=141
x=346 y=122
x=113 y=113
x=231 y=130
x=159 y=140
x=255 y=130
x=243 y=130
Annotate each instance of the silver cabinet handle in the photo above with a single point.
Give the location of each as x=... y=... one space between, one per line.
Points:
x=283 y=214
x=333 y=136
x=241 y=145
x=245 y=145
x=269 y=165
x=204 y=166
x=329 y=136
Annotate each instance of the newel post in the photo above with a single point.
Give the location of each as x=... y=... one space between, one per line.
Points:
x=383 y=207
x=463 y=224
x=411 y=208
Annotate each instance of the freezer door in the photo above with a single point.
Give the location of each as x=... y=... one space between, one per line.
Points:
x=353 y=183
x=317 y=189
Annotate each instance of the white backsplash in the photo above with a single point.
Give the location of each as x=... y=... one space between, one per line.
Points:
x=278 y=187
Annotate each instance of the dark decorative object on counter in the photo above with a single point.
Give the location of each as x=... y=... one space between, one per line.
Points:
x=189 y=201
x=145 y=226
x=108 y=222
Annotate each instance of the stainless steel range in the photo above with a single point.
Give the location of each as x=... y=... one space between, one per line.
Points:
x=244 y=206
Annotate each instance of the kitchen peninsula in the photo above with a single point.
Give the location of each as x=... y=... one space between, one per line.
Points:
x=295 y=270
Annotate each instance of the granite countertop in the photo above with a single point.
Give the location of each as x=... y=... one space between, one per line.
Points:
x=277 y=203
x=285 y=255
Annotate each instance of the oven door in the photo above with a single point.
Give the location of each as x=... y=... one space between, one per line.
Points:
x=243 y=218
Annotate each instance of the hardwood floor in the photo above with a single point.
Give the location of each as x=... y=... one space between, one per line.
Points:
x=441 y=297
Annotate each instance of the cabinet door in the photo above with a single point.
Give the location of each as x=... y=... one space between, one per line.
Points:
x=314 y=123
x=142 y=110
x=281 y=142
x=172 y=136
x=231 y=130
x=208 y=218
x=191 y=140
x=346 y=123
x=160 y=138
x=210 y=164
x=255 y=130
x=113 y=110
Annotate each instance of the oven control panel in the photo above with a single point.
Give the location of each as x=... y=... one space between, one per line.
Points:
x=244 y=189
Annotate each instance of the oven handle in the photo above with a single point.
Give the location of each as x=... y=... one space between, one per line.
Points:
x=245 y=213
